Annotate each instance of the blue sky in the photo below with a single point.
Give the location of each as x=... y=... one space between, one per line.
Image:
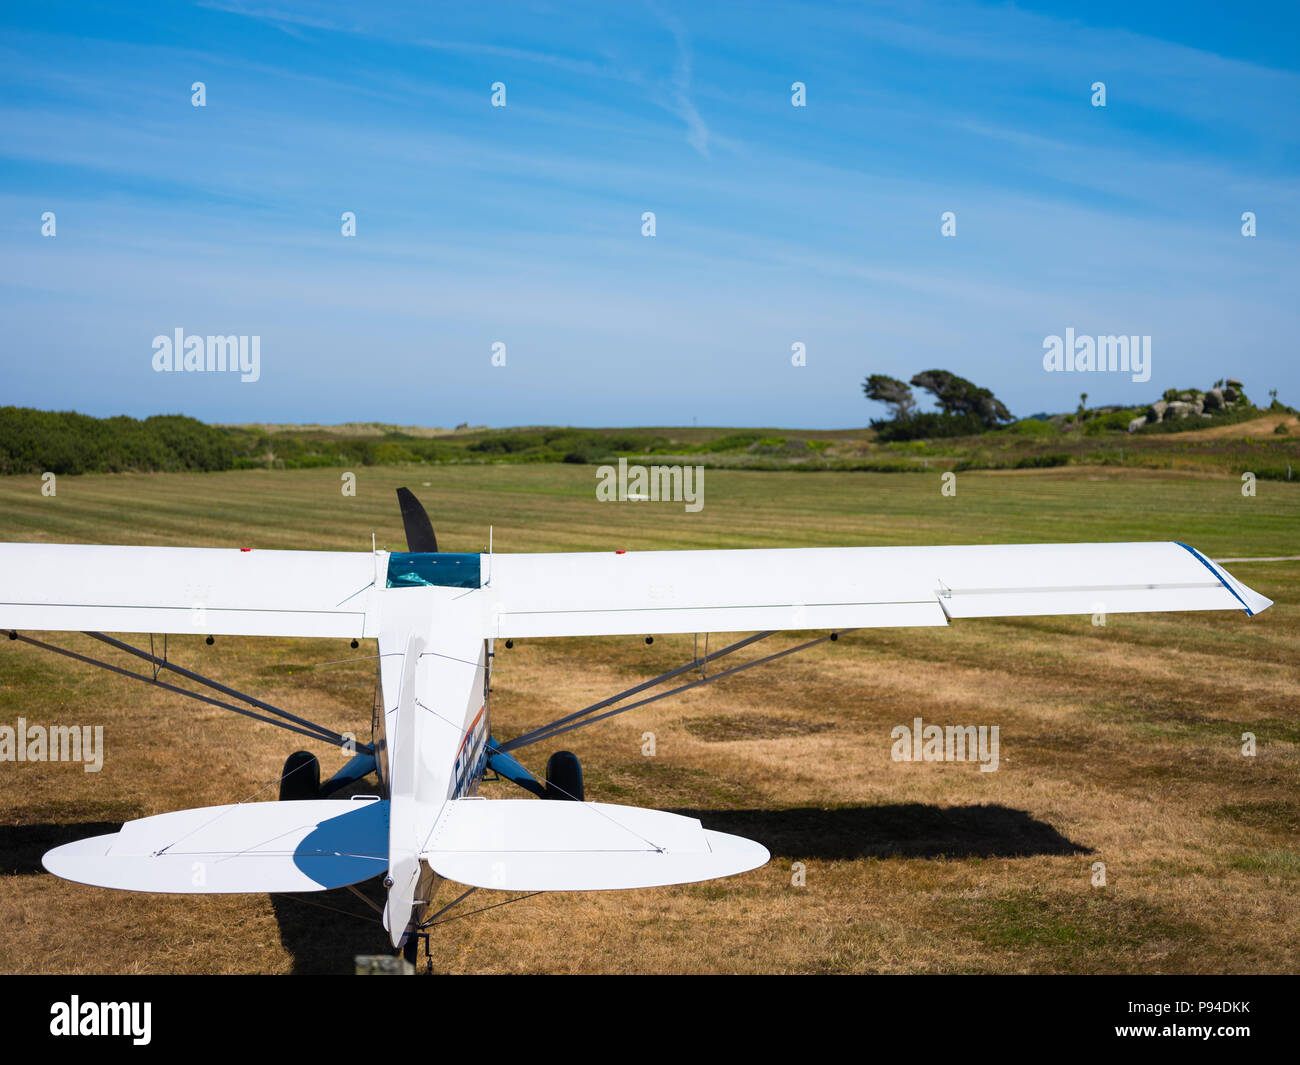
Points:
x=775 y=225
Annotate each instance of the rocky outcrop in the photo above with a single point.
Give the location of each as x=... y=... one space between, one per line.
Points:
x=1192 y=403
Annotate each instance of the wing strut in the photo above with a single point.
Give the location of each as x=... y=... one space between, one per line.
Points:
x=162 y=663
x=698 y=663
x=583 y=717
x=290 y=722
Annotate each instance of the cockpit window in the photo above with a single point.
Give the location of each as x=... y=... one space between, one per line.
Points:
x=418 y=569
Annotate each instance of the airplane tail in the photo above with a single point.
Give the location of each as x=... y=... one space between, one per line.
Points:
x=317 y=845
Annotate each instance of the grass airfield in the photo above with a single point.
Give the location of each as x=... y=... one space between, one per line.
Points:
x=1120 y=743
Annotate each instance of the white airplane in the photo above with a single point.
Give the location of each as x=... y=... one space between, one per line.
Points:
x=436 y=616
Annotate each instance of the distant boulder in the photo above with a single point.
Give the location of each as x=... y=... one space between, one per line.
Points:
x=1232 y=393
x=1157 y=411
x=1214 y=399
x=1137 y=423
x=1232 y=382
x=1179 y=409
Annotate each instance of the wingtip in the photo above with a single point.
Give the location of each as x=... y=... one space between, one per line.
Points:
x=1257 y=603
x=1254 y=602
x=1250 y=599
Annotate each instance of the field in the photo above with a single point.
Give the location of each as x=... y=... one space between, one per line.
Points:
x=1120 y=743
x=1264 y=442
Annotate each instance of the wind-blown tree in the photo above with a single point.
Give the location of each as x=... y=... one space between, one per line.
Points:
x=957 y=396
x=893 y=393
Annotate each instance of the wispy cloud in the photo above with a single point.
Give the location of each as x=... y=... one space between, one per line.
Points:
x=776 y=224
x=679 y=89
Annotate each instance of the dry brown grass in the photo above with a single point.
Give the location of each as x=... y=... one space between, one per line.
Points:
x=1257 y=427
x=1118 y=744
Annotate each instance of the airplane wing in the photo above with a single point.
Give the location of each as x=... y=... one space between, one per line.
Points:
x=206 y=591
x=609 y=593
x=341 y=594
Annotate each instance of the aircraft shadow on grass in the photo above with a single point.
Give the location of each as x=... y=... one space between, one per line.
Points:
x=901 y=830
x=324 y=931
x=21 y=846
x=322 y=940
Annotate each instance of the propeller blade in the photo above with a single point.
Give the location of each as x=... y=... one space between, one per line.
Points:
x=415 y=519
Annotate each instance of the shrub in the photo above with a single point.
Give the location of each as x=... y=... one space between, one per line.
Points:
x=1030 y=427
x=1114 y=420
x=35 y=441
x=928 y=425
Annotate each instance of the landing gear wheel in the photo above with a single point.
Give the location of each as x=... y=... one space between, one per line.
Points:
x=564 y=776
x=301 y=779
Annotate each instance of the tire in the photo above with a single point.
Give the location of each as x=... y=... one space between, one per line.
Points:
x=301 y=779
x=564 y=777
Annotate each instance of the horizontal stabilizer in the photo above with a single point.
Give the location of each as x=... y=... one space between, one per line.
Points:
x=262 y=847
x=530 y=845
